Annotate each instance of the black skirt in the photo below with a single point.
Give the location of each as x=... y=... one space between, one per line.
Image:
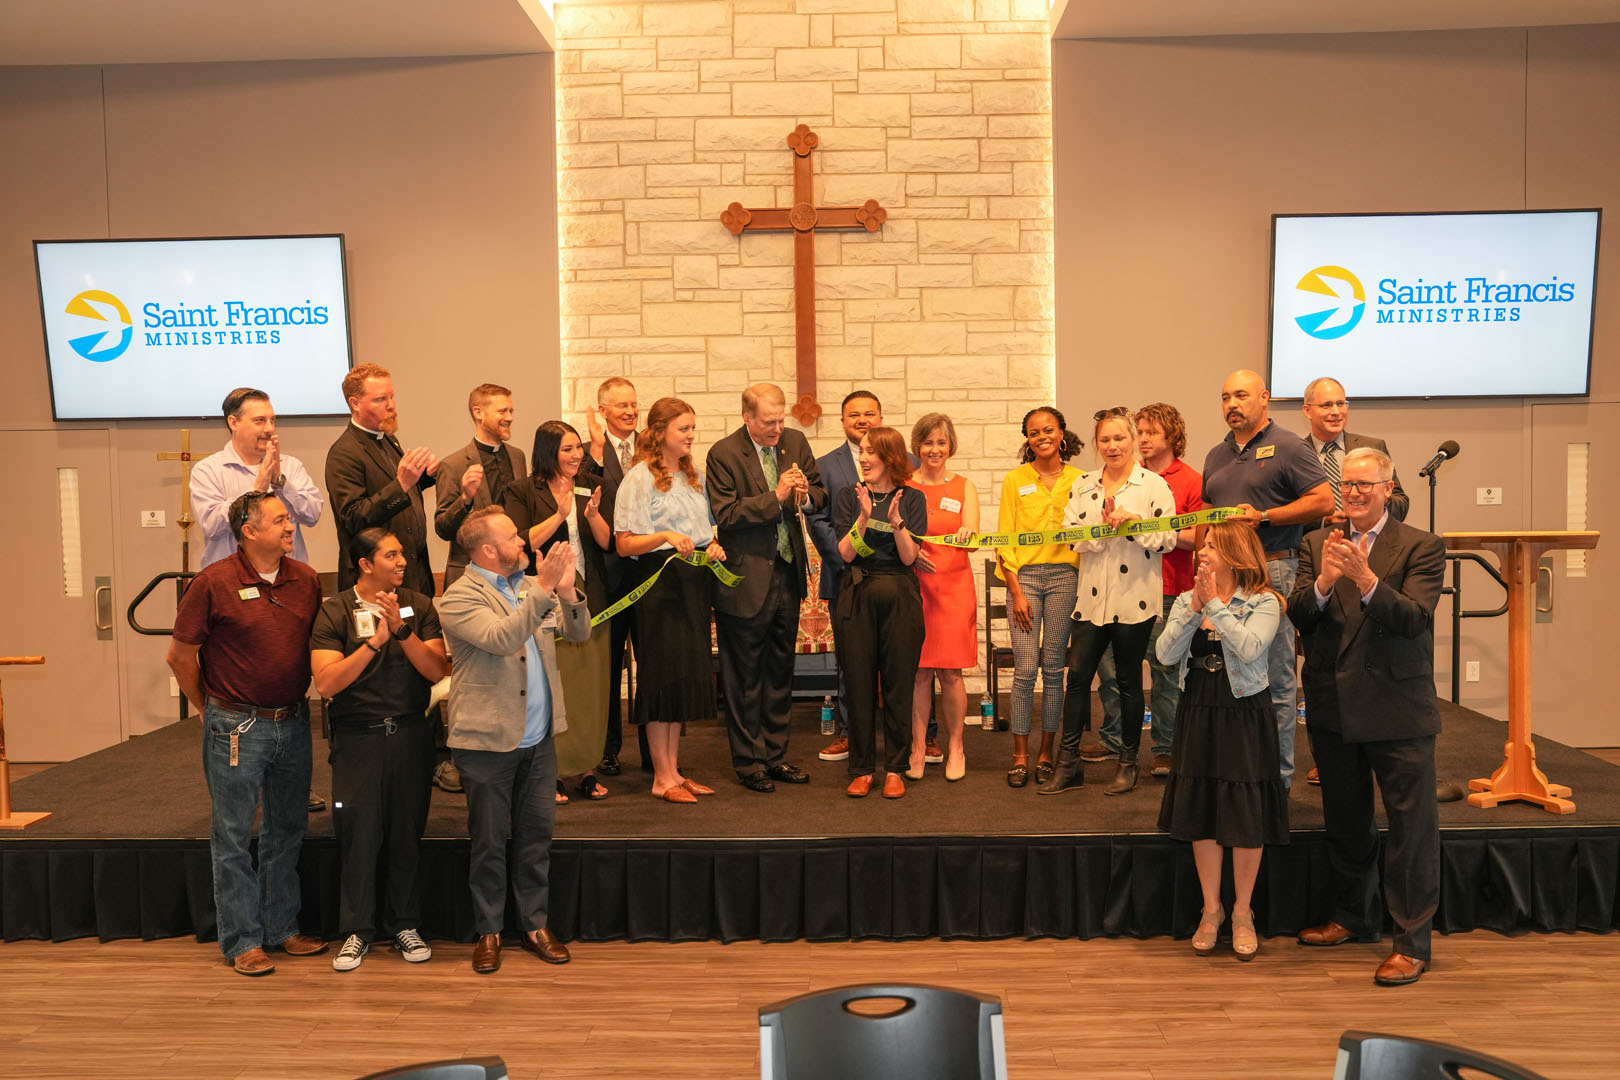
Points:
x=674 y=664
x=1225 y=775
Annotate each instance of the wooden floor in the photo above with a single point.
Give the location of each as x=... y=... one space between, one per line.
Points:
x=1127 y=1009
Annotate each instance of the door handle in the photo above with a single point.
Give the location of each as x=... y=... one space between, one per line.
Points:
x=1544 y=609
x=104 y=604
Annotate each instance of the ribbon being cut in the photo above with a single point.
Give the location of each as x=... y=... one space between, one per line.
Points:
x=1057 y=536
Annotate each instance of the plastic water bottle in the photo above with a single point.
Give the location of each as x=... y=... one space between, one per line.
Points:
x=987 y=712
x=1147 y=716
x=1300 y=712
x=827 y=725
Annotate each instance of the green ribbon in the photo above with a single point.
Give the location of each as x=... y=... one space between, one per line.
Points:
x=697 y=558
x=1042 y=537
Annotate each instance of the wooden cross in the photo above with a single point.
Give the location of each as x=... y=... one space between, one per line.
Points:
x=804 y=218
x=184 y=520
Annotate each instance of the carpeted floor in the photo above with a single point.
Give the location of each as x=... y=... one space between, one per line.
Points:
x=152 y=787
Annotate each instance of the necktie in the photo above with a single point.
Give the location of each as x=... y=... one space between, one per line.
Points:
x=624 y=454
x=1330 y=462
x=784 y=547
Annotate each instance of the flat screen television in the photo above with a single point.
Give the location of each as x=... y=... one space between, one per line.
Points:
x=1445 y=305
x=164 y=329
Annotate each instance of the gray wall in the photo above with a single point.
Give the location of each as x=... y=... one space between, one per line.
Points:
x=440 y=171
x=1171 y=156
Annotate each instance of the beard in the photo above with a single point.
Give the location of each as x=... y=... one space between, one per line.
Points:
x=389 y=425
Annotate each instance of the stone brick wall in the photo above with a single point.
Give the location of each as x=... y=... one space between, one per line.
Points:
x=940 y=109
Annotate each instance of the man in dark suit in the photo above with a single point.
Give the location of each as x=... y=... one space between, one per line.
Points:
x=370 y=480
x=612 y=428
x=760 y=479
x=1364 y=603
x=1327 y=409
x=479 y=473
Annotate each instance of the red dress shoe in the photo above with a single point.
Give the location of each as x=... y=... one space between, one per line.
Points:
x=303 y=945
x=1326 y=935
x=675 y=793
x=861 y=786
x=487 y=954
x=253 y=962
x=696 y=788
x=893 y=786
x=545 y=945
x=1399 y=970
x=1313 y=777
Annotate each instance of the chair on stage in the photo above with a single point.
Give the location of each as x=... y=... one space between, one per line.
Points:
x=883 y=1029
x=997 y=658
x=1366 y=1055
x=473 y=1068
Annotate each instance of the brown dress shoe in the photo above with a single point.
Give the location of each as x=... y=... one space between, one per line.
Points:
x=1399 y=970
x=1161 y=765
x=253 y=962
x=1326 y=935
x=303 y=945
x=893 y=786
x=861 y=786
x=545 y=945
x=487 y=954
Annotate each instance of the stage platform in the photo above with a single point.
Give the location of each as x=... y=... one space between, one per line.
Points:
x=125 y=853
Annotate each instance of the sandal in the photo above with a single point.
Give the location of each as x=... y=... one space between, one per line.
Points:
x=1018 y=775
x=1245 y=943
x=1043 y=771
x=592 y=790
x=1209 y=929
x=675 y=793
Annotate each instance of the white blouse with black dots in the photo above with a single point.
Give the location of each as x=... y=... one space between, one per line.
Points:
x=1121 y=578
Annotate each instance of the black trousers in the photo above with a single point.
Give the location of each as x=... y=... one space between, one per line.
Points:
x=756 y=672
x=510 y=794
x=1087 y=643
x=622 y=631
x=382 y=778
x=880 y=634
x=1404 y=769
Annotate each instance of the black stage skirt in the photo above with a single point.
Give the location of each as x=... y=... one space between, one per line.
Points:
x=674 y=665
x=1225 y=775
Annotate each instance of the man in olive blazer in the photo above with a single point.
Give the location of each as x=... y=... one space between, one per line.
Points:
x=1364 y=603
x=756 y=515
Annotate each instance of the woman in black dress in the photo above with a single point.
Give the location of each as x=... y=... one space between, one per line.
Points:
x=1225 y=788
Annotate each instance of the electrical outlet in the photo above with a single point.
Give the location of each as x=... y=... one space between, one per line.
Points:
x=1471 y=671
x=152 y=519
x=174 y=686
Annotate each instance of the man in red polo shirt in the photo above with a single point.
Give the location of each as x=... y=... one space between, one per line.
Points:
x=240 y=652
x=1161 y=438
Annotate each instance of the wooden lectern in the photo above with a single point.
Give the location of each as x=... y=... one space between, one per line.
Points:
x=1519 y=553
x=9 y=820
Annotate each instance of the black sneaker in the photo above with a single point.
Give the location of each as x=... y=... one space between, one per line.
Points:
x=411 y=946
x=348 y=958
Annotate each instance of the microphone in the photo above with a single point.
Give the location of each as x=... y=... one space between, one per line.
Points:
x=1448 y=449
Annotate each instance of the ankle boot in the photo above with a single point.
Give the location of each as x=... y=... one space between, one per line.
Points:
x=1124 y=776
x=1066 y=773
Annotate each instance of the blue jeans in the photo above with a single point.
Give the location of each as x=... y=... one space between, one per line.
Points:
x=1044 y=648
x=1164 y=695
x=1282 y=669
x=256 y=908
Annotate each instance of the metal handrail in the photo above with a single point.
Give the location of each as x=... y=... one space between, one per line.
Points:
x=1459 y=613
x=180 y=577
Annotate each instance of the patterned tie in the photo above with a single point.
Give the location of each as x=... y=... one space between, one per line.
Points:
x=1330 y=462
x=784 y=547
x=624 y=454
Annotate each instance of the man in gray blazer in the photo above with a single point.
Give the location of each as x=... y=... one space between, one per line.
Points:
x=1364 y=603
x=505 y=707
x=479 y=473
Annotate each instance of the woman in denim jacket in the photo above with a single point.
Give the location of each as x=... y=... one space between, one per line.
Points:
x=1225 y=787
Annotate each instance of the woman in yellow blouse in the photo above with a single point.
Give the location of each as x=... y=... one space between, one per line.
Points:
x=1040 y=583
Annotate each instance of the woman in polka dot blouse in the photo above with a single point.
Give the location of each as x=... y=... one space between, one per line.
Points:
x=1120 y=592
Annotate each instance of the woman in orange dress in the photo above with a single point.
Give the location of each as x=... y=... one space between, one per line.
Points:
x=950 y=608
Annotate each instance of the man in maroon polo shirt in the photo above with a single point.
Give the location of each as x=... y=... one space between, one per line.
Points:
x=240 y=652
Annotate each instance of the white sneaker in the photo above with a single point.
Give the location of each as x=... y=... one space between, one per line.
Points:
x=353 y=951
x=411 y=946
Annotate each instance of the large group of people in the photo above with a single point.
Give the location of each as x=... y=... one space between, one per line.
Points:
x=1312 y=540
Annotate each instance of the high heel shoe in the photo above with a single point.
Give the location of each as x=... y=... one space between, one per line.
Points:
x=955 y=767
x=1245 y=942
x=1209 y=929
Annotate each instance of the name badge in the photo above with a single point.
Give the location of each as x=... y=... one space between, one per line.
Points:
x=406 y=612
x=948 y=503
x=1264 y=452
x=250 y=593
x=551 y=621
x=365 y=624
x=1027 y=489
x=585 y=491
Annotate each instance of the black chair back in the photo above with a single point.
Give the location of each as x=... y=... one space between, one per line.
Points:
x=474 y=1068
x=1367 y=1055
x=930 y=1031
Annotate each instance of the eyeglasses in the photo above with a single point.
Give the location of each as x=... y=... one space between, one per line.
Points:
x=1103 y=414
x=242 y=508
x=1362 y=487
x=1340 y=404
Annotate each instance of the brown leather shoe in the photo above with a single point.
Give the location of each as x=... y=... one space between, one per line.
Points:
x=1399 y=970
x=545 y=945
x=1327 y=935
x=303 y=945
x=487 y=954
x=253 y=962
x=861 y=786
x=1161 y=765
x=893 y=786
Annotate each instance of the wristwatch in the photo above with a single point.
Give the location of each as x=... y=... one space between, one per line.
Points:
x=1265 y=517
x=403 y=632
x=279 y=482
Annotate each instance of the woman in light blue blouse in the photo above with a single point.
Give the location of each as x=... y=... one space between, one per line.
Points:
x=662 y=510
